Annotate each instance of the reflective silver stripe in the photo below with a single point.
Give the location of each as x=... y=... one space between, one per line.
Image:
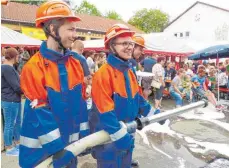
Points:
x=74 y=137
x=84 y=126
x=49 y=137
x=30 y=142
x=119 y=134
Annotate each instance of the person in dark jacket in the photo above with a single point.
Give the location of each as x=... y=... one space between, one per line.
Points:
x=11 y=102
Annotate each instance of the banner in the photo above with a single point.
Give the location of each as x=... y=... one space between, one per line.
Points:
x=33 y=32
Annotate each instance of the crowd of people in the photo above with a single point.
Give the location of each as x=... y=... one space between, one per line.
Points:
x=192 y=81
x=71 y=93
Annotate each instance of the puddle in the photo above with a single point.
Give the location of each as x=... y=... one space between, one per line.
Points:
x=201 y=130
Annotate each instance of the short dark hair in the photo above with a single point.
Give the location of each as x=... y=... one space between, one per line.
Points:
x=159 y=59
x=56 y=22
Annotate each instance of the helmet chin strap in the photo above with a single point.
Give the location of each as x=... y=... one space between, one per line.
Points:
x=116 y=53
x=57 y=38
x=133 y=53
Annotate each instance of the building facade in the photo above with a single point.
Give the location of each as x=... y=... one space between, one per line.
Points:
x=201 y=22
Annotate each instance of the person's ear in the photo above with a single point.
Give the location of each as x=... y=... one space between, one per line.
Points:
x=52 y=30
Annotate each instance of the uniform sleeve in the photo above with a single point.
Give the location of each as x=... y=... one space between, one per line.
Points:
x=43 y=128
x=104 y=107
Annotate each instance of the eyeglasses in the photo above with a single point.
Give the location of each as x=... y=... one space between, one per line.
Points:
x=126 y=44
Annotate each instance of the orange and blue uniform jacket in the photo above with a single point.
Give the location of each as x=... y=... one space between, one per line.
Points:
x=60 y=115
x=116 y=97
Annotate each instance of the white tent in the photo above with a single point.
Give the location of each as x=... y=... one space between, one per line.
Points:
x=154 y=42
x=169 y=43
x=163 y=42
x=12 y=38
x=94 y=44
x=166 y=43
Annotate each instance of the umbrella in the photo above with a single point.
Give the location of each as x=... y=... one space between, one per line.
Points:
x=217 y=51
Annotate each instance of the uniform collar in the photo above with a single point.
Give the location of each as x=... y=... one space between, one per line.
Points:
x=53 y=55
x=117 y=63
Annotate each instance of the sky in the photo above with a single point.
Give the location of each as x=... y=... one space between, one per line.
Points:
x=126 y=8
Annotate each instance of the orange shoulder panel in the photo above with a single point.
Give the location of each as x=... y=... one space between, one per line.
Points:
x=75 y=72
x=102 y=89
x=118 y=81
x=33 y=79
x=108 y=80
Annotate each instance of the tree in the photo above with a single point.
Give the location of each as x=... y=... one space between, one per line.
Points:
x=88 y=8
x=113 y=15
x=149 y=20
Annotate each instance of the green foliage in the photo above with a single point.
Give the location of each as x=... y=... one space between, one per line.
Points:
x=88 y=8
x=149 y=20
x=113 y=15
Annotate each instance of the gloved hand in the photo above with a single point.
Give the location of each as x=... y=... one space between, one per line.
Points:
x=125 y=143
x=157 y=111
x=62 y=158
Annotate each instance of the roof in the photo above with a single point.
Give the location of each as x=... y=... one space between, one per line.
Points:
x=100 y=23
x=198 y=2
x=25 y=13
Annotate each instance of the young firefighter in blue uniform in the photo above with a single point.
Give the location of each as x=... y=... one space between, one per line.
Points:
x=55 y=112
x=116 y=98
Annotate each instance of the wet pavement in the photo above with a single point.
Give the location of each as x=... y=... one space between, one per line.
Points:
x=192 y=140
x=188 y=141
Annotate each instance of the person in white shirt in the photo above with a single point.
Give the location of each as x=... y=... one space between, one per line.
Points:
x=223 y=78
x=159 y=74
x=187 y=70
x=90 y=60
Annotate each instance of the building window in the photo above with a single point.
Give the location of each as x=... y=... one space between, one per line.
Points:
x=175 y=34
x=187 y=34
x=181 y=34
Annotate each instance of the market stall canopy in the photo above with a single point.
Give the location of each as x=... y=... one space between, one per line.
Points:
x=219 y=50
x=12 y=38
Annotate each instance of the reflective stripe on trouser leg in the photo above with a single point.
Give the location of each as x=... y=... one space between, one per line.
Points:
x=74 y=137
x=30 y=142
x=49 y=137
x=84 y=126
